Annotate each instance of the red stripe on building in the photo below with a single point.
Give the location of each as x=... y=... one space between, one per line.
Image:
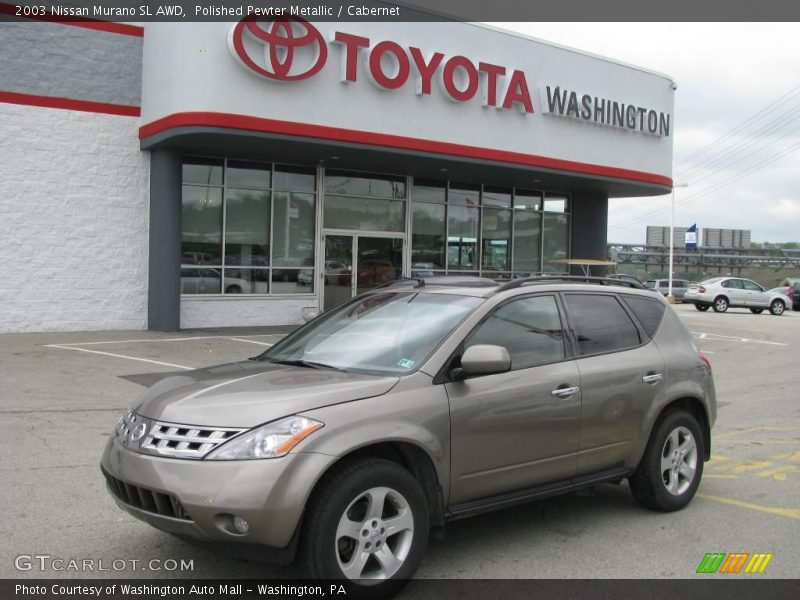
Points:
x=85 y=22
x=241 y=122
x=68 y=104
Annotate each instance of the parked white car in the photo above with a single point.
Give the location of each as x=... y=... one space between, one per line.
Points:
x=721 y=293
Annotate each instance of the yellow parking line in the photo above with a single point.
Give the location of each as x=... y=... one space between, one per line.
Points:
x=791 y=513
x=705 y=476
x=751 y=430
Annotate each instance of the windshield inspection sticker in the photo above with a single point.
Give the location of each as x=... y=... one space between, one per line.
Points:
x=405 y=363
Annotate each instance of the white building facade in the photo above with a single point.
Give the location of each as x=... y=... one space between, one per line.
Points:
x=188 y=175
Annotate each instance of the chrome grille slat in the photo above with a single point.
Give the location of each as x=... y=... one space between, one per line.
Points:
x=174 y=440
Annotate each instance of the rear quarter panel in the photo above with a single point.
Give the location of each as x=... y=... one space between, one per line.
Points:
x=686 y=376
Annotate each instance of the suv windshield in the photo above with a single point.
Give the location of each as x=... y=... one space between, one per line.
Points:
x=386 y=333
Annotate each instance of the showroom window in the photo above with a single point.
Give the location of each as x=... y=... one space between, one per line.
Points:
x=493 y=231
x=247 y=227
x=364 y=201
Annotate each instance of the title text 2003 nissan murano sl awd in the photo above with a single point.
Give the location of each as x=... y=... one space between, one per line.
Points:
x=346 y=443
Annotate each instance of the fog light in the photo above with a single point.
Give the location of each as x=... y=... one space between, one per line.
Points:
x=240 y=525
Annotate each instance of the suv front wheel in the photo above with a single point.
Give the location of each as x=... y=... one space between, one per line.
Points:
x=368 y=523
x=670 y=471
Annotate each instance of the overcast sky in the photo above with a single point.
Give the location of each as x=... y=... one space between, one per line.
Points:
x=726 y=73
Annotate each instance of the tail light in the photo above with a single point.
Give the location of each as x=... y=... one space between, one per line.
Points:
x=704 y=358
x=701 y=289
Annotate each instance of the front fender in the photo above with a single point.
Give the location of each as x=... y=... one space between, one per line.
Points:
x=416 y=412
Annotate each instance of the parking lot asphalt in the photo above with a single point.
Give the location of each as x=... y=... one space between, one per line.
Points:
x=61 y=394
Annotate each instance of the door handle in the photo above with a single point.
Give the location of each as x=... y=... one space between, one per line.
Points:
x=565 y=392
x=653 y=377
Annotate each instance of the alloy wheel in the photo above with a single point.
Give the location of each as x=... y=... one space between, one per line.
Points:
x=678 y=461
x=374 y=535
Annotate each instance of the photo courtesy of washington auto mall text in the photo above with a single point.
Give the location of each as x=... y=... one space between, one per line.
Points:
x=414 y=299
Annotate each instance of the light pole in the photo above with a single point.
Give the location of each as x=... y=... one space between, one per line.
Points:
x=670 y=297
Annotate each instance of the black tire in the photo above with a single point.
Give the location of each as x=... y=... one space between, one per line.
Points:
x=756 y=311
x=720 y=304
x=341 y=493
x=701 y=307
x=777 y=308
x=233 y=289
x=650 y=483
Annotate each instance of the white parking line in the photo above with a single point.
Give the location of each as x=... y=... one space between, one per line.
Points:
x=250 y=342
x=147 y=360
x=716 y=337
x=180 y=339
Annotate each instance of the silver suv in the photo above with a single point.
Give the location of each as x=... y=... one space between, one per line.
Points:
x=348 y=442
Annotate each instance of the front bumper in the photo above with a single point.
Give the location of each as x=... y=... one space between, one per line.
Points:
x=198 y=499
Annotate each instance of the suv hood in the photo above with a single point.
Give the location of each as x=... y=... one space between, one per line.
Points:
x=246 y=394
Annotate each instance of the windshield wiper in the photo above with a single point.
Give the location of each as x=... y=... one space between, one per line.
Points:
x=296 y=362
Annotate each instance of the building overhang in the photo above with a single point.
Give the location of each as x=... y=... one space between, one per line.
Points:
x=236 y=136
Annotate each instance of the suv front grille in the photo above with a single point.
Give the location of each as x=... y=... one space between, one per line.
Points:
x=158 y=503
x=181 y=441
x=171 y=439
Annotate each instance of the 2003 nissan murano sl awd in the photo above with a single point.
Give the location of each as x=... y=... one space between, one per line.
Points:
x=347 y=442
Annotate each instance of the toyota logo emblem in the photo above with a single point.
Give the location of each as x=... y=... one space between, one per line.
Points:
x=283 y=49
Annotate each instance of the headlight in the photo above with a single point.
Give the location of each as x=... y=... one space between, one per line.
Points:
x=268 y=441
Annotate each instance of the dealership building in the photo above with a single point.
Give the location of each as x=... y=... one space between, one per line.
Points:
x=174 y=176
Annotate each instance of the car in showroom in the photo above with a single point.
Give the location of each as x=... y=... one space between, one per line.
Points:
x=722 y=293
x=210 y=281
x=347 y=443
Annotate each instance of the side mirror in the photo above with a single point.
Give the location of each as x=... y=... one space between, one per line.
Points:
x=309 y=313
x=482 y=359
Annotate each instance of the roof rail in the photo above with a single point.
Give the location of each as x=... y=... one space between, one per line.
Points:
x=515 y=283
x=420 y=282
x=452 y=281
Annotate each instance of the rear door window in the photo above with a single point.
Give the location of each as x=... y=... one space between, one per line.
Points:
x=649 y=311
x=600 y=323
x=732 y=283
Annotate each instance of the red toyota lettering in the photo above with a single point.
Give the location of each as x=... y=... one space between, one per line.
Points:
x=517 y=91
x=352 y=44
x=449 y=76
x=379 y=77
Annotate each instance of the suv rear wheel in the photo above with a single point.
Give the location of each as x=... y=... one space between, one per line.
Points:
x=670 y=471
x=367 y=523
x=701 y=307
x=720 y=304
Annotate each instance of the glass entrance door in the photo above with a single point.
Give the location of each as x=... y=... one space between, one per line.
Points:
x=357 y=263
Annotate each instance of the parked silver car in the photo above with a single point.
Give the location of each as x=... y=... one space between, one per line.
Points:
x=679 y=287
x=721 y=293
x=427 y=400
